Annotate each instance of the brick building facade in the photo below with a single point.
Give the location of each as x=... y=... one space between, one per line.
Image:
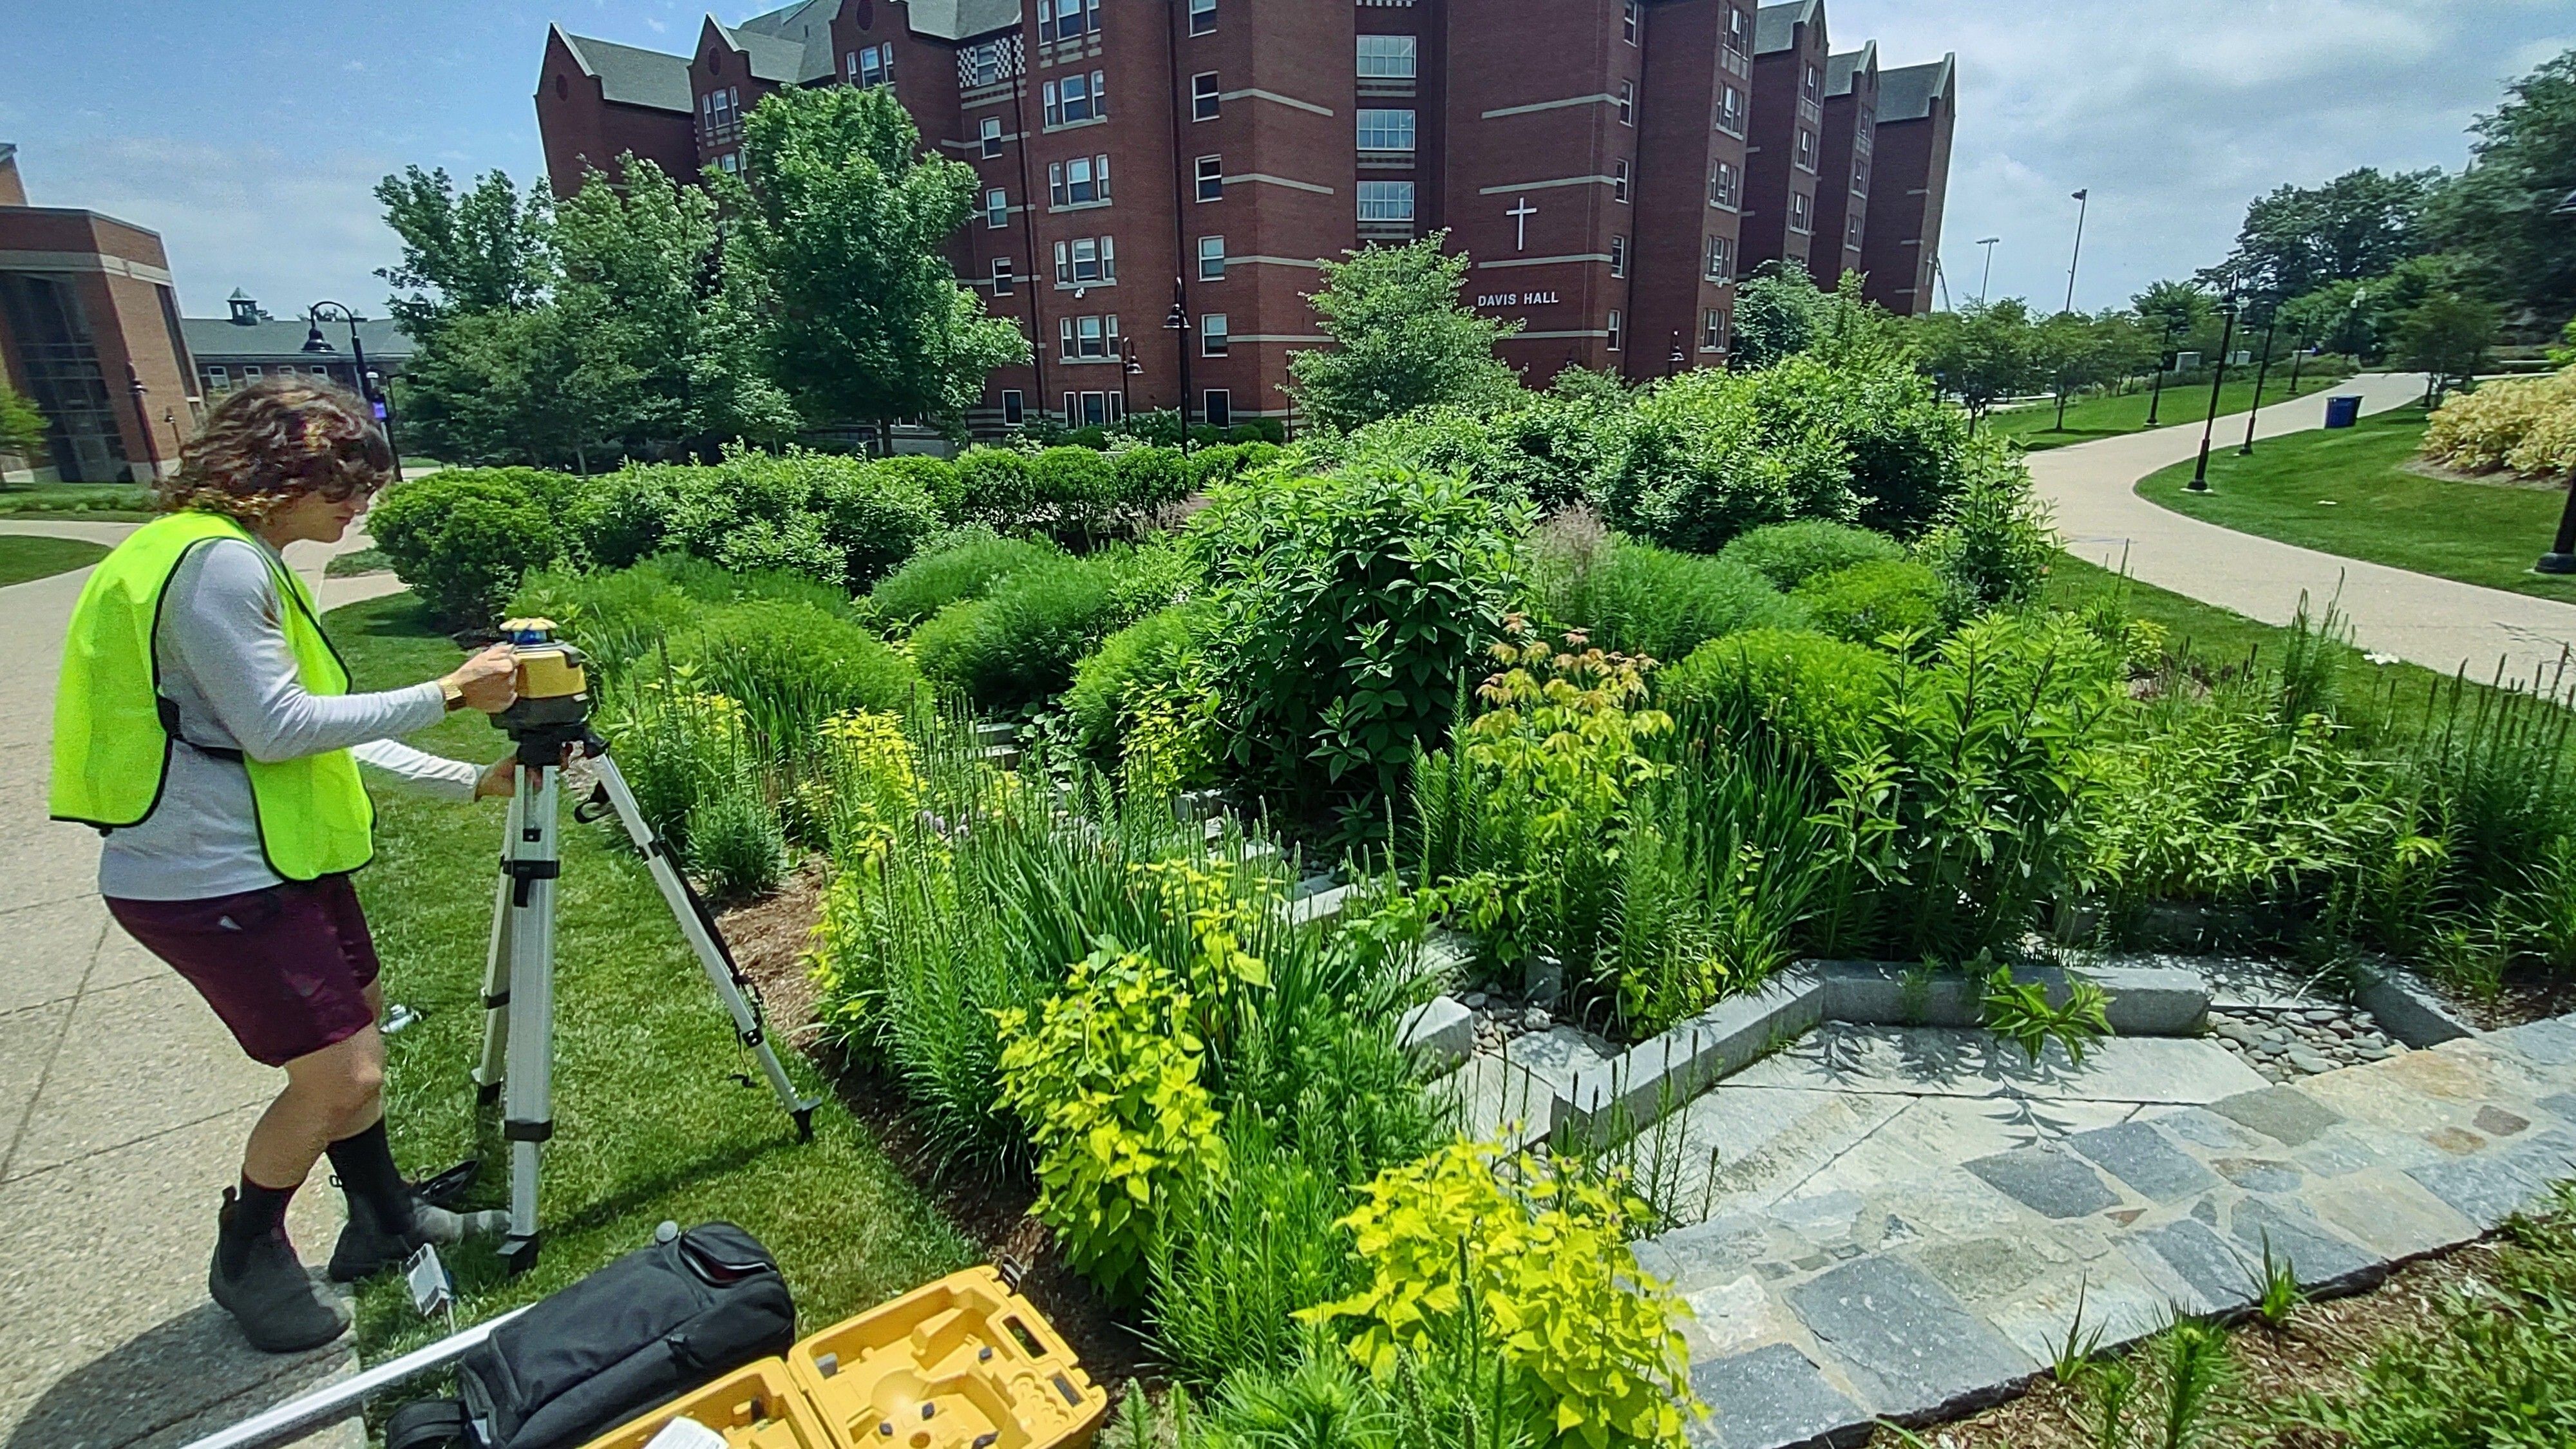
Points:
x=1909 y=182
x=1157 y=178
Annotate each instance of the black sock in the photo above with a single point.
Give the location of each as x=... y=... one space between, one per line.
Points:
x=365 y=1165
x=256 y=1213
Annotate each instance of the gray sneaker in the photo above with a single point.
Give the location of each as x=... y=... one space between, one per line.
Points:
x=366 y=1248
x=278 y=1305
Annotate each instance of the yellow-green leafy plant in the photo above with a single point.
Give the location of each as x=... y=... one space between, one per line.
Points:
x=869 y=786
x=2527 y=426
x=1105 y=1078
x=1529 y=1266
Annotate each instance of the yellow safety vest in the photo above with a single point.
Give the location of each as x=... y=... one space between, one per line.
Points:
x=113 y=729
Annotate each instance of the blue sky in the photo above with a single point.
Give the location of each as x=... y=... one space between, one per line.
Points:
x=249 y=132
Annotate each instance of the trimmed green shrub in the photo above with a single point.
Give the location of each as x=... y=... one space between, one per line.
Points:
x=1789 y=554
x=993 y=484
x=464 y=538
x=838 y=519
x=1019 y=644
x=1350 y=606
x=1155 y=650
x=875 y=517
x=1076 y=487
x=1812 y=689
x=1906 y=449
x=1149 y=480
x=936 y=477
x=620 y=615
x=1867 y=601
x=1706 y=463
x=930 y=582
x=1635 y=598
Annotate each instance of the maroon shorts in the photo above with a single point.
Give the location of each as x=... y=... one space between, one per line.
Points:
x=287 y=968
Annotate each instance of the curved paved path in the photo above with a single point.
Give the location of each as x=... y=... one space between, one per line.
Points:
x=2437 y=623
x=123 y=1105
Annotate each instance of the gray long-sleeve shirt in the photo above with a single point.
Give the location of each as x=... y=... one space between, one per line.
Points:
x=225 y=663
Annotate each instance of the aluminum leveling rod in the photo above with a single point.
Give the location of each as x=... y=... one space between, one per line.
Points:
x=331 y=1403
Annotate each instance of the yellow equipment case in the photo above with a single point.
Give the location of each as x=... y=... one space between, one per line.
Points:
x=963 y=1363
x=757 y=1406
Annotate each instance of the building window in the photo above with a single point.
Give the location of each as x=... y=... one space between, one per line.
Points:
x=1211 y=177
x=1614 y=331
x=997 y=208
x=1386 y=201
x=1001 y=276
x=1202 y=17
x=1628 y=21
x=1086 y=261
x=1806 y=149
x=1387 y=57
x=1739 y=32
x=1203 y=96
x=1860 y=178
x=1067 y=19
x=1712 y=331
x=1725 y=186
x=1717 y=262
x=1212 y=334
x=1211 y=259
x=981 y=65
x=1618 y=256
x=1076 y=98
x=1082 y=181
x=992 y=135
x=1851 y=234
x=250 y=370
x=1730 y=110
x=730 y=163
x=1627 y=103
x=1087 y=337
x=1815 y=80
x=1219 y=409
x=720 y=115
x=873 y=66
x=1799 y=217
x=1382 y=130
x=217 y=379
x=1014 y=408
x=1619 y=181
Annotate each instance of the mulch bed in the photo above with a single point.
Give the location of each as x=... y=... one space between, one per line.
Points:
x=768 y=938
x=2321 y=1349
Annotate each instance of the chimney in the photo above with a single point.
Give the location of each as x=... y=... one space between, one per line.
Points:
x=13 y=192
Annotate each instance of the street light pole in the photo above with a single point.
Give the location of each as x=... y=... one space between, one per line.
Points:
x=370 y=386
x=2164 y=359
x=2083 y=203
x=2561 y=558
x=143 y=422
x=1178 y=324
x=1128 y=368
x=2261 y=373
x=2217 y=379
x=1988 y=242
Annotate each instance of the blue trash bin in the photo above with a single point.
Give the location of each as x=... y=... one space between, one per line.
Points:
x=2343 y=411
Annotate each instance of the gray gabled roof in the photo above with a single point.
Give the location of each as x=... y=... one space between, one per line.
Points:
x=771 y=57
x=963 y=19
x=282 y=341
x=1839 y=69
x=806 y=25
x=1907 y=93
x=631 y=76
x=1775 y=27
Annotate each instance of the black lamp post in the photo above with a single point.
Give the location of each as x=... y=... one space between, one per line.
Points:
x=2164 y=359
x=2217 y=379
x=1128 y=369
x=2261 y=373
x=1178 y=324
x=143 y=423
x=370 y=384
x=1679 y=359
x=2561 y=558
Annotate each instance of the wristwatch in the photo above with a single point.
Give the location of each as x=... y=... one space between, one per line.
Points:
x=453 y=693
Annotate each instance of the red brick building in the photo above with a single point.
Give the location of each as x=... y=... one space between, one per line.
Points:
x=1909 y=180
x=1158 y=178
x=89 y=329
x=1842 y=185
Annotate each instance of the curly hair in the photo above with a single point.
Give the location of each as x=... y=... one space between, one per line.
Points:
x=272 y=440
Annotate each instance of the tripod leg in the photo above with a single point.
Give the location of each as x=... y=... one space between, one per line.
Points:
x=700 y=930
x=527 y=1092
x=496 y=972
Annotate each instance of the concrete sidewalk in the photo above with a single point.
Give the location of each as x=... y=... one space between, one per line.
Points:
x=2433 y=622
x=123 y=1106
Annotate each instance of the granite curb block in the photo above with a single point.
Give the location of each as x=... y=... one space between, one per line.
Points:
x=1662 y=1074
x=2406 y=1007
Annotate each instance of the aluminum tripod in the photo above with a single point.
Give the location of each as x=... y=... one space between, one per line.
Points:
x=519 y=977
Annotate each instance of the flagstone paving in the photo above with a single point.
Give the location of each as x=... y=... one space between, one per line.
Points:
x=1903 y=1221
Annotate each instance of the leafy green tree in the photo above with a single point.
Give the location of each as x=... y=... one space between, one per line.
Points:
x=1779 y=311
x=2358 y=225
x=22 y=427
x=2498 y=211
x=2335 y=317
x=2447 y=335
x=2176 y=313
x=1401 y=340
x=484 y=251
x=2075 y=352
x=1980 y=353
x=836 y=261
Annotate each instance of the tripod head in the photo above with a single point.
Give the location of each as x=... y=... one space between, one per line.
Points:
x=553 y=707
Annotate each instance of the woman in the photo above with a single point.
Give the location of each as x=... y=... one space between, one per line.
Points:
x=205 y=726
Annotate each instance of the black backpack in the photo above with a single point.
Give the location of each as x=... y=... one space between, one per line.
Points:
x=635 y=1335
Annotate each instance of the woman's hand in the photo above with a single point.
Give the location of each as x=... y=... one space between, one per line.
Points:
x=489 y=681
x=501 y=777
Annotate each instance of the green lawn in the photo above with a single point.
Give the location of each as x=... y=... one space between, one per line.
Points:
x=2349 y=493
x=90 y=502
x=23 y=557
x=649 y=1124
x=2110 y=416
